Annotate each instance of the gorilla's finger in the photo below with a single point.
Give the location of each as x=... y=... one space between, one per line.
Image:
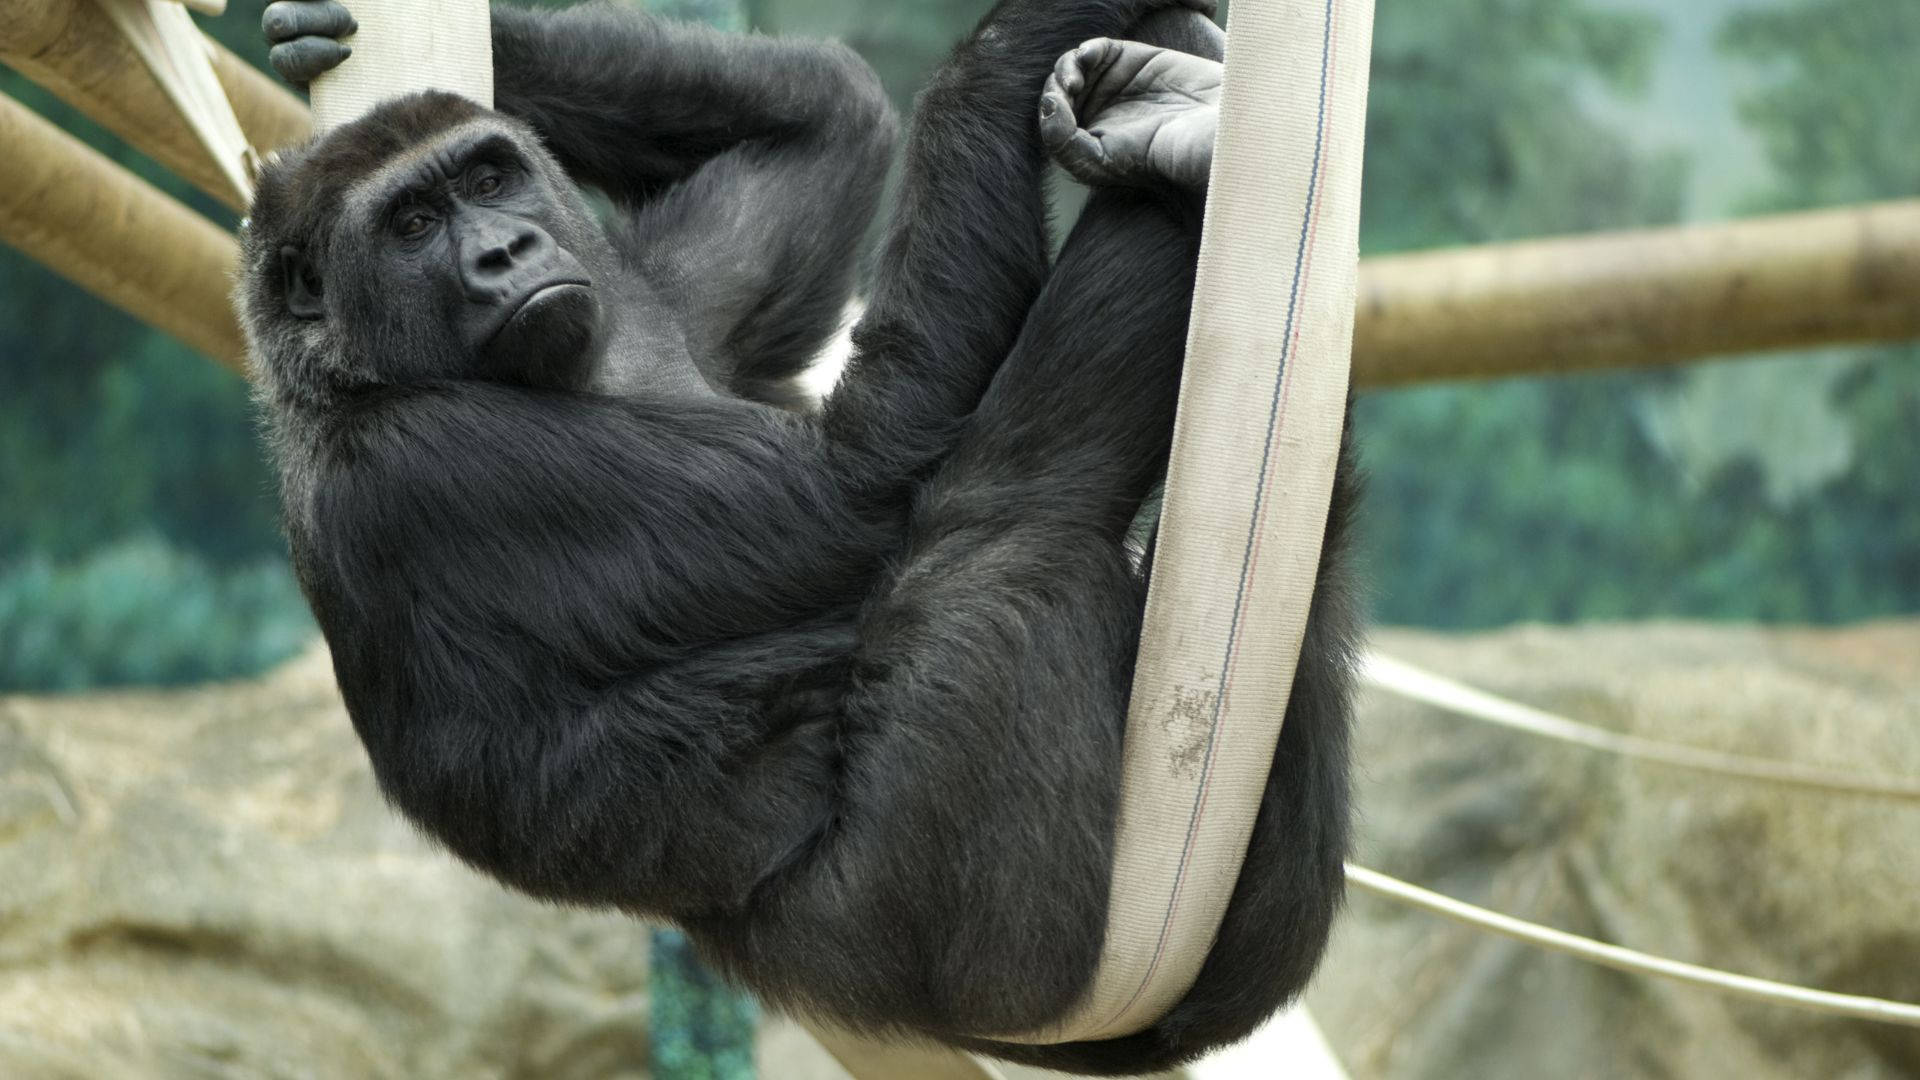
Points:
x=1066 y=82
x=299 y=60
x=1106 y=67
x=1085 y=159
x=285 y=20
x=1096 y=55
x=1072 y=78
x=1125 y=60
x=1057 y=123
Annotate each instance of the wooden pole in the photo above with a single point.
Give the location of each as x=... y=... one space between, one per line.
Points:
x=117 y=236
x=1653 y=296
x=1541 y=307
x=74 y=49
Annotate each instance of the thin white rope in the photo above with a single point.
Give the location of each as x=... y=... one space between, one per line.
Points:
x=1630 y=960
x=1416 y=684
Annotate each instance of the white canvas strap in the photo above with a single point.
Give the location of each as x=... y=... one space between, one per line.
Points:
x=407 y=45
x=1261 y=408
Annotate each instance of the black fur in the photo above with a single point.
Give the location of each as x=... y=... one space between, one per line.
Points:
x=842 y=694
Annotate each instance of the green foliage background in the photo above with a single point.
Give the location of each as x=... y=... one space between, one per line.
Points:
x=1781 y=489
x=137 y=541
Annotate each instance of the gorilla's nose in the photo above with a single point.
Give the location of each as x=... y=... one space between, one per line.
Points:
x=502 y=257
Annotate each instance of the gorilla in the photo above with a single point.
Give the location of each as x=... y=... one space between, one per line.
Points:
x=841 y=692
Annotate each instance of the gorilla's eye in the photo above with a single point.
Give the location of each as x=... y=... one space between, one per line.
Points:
x=489 y=179
x=413 y=224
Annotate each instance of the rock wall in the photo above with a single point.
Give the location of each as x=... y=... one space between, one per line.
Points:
x=1790 y=884
x=204 y=883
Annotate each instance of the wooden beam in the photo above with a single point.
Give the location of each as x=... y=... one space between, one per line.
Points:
x=115 y=235
x=1651 y=296
x=73 y=48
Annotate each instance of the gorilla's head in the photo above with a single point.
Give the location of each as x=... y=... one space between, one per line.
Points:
x=430 y=239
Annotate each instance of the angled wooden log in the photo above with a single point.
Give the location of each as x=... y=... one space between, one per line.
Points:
x=115 y=235
x=74 y=49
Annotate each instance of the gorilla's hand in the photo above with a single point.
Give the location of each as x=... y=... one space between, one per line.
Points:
x=304 y=37
x=1123 y=113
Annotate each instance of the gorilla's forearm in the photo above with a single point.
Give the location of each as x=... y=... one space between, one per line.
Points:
x=632 y=103
x=674 y=791
x=612 y=531
x=594 y=646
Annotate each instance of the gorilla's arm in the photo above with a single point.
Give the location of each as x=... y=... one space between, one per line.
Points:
x=753 y=167
x=631 y=103
x=580 y=636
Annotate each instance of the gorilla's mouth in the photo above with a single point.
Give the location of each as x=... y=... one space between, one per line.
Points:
x=547 y=336
x=548 y=300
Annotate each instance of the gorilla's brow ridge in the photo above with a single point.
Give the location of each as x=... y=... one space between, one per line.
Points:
x=402 y=172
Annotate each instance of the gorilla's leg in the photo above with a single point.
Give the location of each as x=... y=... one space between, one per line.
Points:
x=990 y=684
x=995 y=668
x=1291 y=881
x=984 y=724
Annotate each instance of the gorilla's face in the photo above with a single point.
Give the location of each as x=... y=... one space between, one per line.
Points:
x=469 y=226
x=466 y=255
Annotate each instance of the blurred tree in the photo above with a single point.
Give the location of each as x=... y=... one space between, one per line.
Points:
x=1839 y=124
x=1837 y=118
x=139 y=541
x=1637 y=494
x=1476 y=128
x=902 y=39
x=1550 y=498
x=1491 y=502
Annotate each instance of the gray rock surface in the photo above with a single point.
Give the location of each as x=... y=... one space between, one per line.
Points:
x=204 y=883
x=1789 y=884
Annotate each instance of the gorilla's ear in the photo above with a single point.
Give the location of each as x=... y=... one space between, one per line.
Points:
x=302 y=284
